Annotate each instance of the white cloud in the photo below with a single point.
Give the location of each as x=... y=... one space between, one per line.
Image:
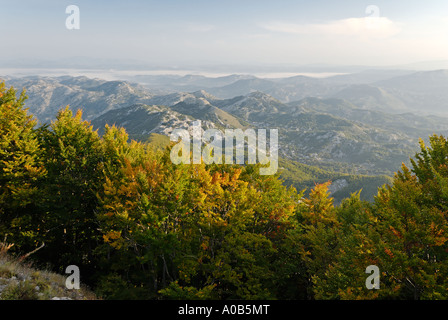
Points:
x=377 y=27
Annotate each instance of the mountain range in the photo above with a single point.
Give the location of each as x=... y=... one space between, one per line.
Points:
x=46 y=95
x=354 y=129
x=393 y=91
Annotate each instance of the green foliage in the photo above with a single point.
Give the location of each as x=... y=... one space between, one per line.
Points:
x=176 y=292
x=20 y=169
x=319 y=238
x=195 y=227
x=412 y=223
x=404 y=233
x=305 y=176
x=140 y=227
x=73 y=158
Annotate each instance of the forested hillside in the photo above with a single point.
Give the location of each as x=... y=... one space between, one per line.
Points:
x=140 y=227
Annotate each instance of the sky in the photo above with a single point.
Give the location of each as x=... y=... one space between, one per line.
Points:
x=179 y=33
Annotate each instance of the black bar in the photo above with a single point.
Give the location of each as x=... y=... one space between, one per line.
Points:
x=211 y=309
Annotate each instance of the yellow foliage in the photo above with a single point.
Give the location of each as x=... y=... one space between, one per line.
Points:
x=112 y=235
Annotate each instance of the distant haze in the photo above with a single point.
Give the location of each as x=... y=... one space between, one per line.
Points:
x=224 y=36
x=127 y=74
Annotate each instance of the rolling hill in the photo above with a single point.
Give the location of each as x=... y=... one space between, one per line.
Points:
x=46 y=95
x=345 y=138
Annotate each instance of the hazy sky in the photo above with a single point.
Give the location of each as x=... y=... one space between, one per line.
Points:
x=179 y=32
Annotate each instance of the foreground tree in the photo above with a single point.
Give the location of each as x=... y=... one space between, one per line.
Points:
x=412 y=223
x=20 y=172
x=73 y=157
x=319 y=234
x=404 y=233
x=194 y=232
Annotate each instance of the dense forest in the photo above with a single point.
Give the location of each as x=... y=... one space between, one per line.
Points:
x=140 y=227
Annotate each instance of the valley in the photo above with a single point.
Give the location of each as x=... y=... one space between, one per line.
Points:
x=354 y=130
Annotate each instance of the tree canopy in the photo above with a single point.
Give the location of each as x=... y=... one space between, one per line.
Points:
x=141 y=227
